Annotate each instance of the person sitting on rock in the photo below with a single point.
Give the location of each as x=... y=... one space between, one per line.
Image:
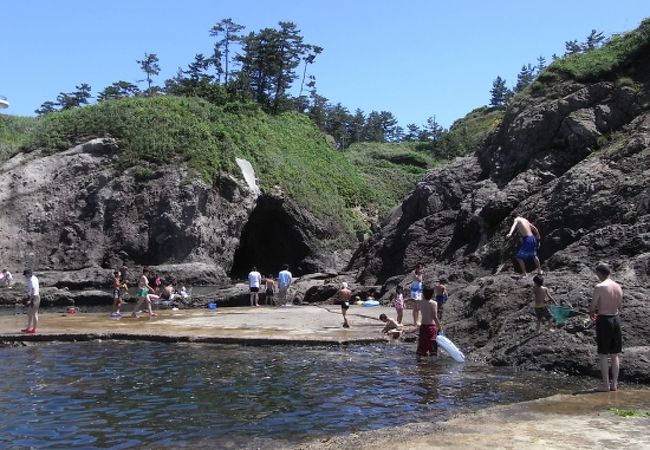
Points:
x=392 y=326
x=6 y=279
x=168 y=295
x=530 y=238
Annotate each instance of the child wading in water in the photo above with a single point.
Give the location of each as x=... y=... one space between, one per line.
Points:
x=541 y=293
x=430 y=326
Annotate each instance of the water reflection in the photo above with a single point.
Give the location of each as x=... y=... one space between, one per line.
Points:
x=124 y=394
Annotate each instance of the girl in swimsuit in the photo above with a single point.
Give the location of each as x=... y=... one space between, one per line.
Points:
x=399 y=303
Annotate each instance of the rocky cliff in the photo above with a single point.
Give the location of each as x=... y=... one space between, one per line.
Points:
x=71 y=211
x=573 y=158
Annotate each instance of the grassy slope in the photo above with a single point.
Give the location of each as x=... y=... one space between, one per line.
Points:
x=13 y=133
x=390 y=170
x=611 y=61
x=287 y=150
x=467 y=133
x=617 y=53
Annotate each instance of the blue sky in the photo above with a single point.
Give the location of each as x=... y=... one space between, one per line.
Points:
x=415 y=58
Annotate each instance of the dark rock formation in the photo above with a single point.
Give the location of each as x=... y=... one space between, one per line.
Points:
x=574 y=162
x=72 y=218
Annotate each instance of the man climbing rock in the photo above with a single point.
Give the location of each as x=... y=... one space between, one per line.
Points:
x=530 y=238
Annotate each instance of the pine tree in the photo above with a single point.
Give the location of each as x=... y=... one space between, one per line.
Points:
x=119 y=89
x=594 y=40
x=70 y=100
x=356 y=126
x=572 y=47
x=311 y=52
x=434 y=129
x=47 y=108
x=229 y=33
x=151 y=68
x=499 y=92
x=413 y=132
x=525 y=77
x=541 y=64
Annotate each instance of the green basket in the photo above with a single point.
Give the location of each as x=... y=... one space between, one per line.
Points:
x=560 y=313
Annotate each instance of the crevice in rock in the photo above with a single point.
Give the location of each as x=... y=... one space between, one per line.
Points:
x=270 y=239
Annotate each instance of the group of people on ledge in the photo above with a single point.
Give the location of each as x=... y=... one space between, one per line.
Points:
x=162 y=291
x=268 y=286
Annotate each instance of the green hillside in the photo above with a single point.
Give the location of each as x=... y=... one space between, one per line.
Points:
x=467 y=133
x=14 y=131
x=390 y=169
x=286 y=150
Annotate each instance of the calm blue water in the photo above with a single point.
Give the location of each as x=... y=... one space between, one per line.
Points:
x=140 y=394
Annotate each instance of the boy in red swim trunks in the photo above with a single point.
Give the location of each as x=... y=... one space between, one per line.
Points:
x=430 y=325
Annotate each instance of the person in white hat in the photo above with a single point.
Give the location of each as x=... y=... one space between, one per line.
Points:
x=344 y=297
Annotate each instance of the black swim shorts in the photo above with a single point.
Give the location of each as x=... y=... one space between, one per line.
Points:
x=542 y=313
x=608 y=335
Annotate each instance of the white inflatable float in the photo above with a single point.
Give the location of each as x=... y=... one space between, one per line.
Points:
x=370 y=303
x=445 y=343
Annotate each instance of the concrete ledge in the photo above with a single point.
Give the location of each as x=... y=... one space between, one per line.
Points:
x=80 y=337
x=299 y=325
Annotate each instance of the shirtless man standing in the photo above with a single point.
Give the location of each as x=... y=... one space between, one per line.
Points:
x=344 y=297
x=530 y=238
x=144 y=295
x=604 y=309
x=430 y=325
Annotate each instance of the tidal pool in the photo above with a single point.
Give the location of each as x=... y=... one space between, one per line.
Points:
x=118 y=395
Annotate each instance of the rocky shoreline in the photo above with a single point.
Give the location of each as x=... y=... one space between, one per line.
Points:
x=571 y=156
x=560 y=422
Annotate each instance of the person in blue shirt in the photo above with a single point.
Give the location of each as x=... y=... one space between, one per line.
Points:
x=284 y=282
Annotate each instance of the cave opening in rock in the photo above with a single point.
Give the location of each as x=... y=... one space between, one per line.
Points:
x=270 y=239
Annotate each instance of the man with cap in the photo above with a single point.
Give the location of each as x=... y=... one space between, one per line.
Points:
x=33 y=301
x=344 y=297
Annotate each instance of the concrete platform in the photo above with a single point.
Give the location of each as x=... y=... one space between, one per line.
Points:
x=307 y=325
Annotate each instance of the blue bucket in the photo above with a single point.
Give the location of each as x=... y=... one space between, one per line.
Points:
x=212 y=306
